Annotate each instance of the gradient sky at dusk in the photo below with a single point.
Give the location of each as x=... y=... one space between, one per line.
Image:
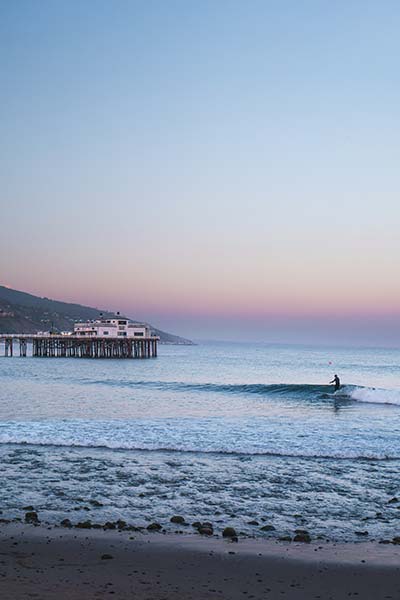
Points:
x=222 y=169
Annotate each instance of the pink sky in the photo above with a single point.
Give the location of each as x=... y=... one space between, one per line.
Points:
x=219 y=178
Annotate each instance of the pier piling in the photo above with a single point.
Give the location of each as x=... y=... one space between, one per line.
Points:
x=72 y=346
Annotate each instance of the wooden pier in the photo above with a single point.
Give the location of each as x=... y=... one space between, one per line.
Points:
x=73 y=346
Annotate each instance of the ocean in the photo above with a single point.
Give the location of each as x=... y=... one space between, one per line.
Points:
x=220 y=432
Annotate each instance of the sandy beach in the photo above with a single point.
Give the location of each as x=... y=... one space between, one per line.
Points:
x=51 y=562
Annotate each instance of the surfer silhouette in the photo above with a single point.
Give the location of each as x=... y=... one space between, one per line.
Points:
x=336 y=381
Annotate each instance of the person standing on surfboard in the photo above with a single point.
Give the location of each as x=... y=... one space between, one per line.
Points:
x=336 y=381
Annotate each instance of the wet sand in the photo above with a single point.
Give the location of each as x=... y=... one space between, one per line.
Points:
x=36 y=562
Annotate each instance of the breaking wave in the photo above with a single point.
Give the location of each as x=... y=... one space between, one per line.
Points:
x=281 y=390
x=375 y=395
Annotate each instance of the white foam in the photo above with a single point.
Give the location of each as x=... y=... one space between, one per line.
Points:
x=98 y=435
x=375 y=395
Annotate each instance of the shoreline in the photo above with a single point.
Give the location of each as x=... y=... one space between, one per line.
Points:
x=54 y=562
x=262 y=531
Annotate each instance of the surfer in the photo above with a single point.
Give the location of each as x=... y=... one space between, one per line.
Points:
x=336 y=381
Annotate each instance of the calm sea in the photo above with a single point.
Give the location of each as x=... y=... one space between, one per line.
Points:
x=228 y=433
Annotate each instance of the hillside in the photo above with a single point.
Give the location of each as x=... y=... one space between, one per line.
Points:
x=25 y=313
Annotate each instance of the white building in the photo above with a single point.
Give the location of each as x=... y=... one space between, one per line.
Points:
x=112 y=327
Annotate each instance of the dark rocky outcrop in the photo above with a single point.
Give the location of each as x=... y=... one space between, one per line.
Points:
x=84 y=525
x=302 y=536
x=267 y=528
x=96 y=503
x=32 y=517
x=66 y=523
x=177 y=519
x=205 y=528
x=154 y=527
x=229 y=532
x=396 y=540
x=206 y=531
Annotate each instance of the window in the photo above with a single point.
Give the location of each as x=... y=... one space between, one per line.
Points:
x=121 y=322
x=121 y=332
x=139 y=333
x=105 y=332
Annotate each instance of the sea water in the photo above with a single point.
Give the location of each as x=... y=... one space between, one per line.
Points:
x=227 y=433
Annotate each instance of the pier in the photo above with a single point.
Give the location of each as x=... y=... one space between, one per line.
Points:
x=74 y=346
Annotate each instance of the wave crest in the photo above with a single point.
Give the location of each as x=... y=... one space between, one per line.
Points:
x=280 y=390
x=375 y=395
x=232 y=388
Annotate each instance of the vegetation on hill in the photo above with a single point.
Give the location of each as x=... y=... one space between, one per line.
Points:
x=25 y=313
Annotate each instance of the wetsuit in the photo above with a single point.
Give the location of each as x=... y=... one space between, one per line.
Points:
x=336 y=381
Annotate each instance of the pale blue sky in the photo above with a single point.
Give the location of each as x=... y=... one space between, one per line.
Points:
x=200 y=162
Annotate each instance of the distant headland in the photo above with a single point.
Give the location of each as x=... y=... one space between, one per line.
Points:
x=21 y=312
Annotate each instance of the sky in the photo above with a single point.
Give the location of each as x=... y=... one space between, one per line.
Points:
x=221 y=169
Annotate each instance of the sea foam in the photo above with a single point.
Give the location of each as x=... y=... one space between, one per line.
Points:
x=375 y=395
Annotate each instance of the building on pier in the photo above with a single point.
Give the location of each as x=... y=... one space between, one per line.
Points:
x=117 y=326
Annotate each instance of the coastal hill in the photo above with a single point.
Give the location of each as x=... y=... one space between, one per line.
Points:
x=25 y=313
